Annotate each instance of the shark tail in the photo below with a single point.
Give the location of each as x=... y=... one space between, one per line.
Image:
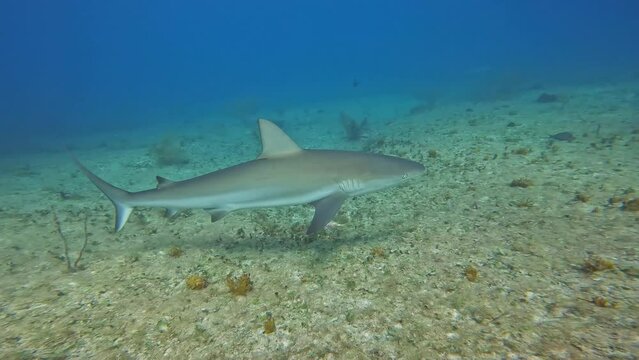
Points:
x=120 y=198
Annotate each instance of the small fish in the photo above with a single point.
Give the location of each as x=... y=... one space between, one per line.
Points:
x=563 y=136
x=69 y=196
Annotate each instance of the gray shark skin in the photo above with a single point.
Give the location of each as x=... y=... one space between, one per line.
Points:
x=284 y=174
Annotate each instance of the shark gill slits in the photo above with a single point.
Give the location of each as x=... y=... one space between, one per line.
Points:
x=350 y=186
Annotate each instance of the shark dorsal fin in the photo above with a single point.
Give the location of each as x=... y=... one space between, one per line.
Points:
x=275 y=142
x=163 y=182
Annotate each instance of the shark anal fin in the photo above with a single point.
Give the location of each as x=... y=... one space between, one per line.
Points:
x=325 y=210
x=217 y=214
x=163 y=182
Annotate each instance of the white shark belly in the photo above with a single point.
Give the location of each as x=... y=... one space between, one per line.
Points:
x=239 y=199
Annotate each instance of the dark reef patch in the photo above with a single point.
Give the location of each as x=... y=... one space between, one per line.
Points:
x=546 y=98
x=563 y=136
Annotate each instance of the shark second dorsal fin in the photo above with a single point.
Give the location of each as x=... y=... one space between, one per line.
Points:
x=163 y=182
x=275 y=142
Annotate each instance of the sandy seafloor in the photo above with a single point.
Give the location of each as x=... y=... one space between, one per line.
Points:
x=386 y=280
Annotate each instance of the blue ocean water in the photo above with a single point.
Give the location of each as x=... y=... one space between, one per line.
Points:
x=70 y=68
x=517 y=241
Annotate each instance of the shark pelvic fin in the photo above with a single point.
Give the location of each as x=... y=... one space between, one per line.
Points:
x=217 y=214
x=275 y=142
x=171 y=212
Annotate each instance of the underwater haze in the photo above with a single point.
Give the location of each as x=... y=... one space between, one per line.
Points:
x=75 y=67
x=480 y=199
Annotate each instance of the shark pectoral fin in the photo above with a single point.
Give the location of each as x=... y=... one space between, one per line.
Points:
x=217 y=214
x=325 y=210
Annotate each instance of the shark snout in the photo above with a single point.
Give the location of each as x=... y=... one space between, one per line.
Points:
x=416 y=168
x=411 y=168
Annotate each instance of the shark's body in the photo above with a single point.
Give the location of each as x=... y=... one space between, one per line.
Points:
x=283 y=175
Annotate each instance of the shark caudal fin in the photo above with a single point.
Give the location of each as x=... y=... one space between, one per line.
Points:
x=118 y=197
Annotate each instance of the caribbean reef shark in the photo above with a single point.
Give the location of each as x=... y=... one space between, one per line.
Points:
x=284 y=174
